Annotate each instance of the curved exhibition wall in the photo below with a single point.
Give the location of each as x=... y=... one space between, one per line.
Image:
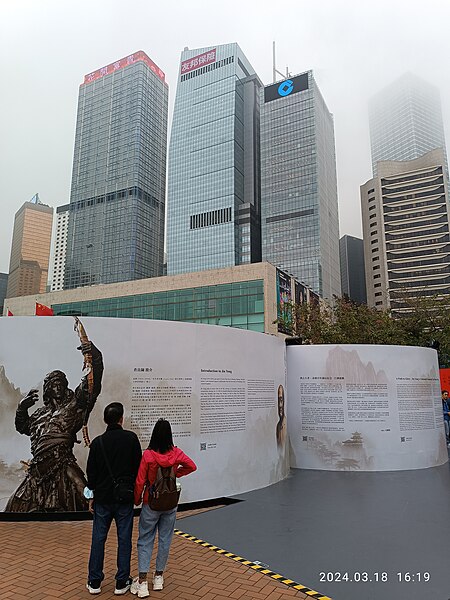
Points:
x=218 y=386
x=364 y=408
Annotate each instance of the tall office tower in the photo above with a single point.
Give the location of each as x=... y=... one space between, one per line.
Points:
x=353 y=276
x=116 y=221
x=405 y=121
x=406 y=231
x=3 y=288
x=30 y=249
x=214 y=169
x=299 y=204
x=60 y=248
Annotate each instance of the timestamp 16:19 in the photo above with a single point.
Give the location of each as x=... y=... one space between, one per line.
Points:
x=409 y=577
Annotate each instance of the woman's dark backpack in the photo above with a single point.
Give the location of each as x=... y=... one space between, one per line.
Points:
x=163 y=494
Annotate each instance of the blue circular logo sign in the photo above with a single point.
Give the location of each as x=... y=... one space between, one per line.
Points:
x=285 y=88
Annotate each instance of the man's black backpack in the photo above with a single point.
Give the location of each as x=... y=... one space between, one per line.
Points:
x=163 y=494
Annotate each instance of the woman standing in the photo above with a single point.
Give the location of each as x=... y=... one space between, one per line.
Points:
x=160 y=453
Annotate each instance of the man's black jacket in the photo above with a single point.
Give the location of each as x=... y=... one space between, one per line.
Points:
x=124 y=455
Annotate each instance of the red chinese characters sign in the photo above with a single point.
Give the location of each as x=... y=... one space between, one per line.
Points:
x=124 y=62
x=198 y=61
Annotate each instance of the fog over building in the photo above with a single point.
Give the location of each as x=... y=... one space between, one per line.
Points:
x=405 y=121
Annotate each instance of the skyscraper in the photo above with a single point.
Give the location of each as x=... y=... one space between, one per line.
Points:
x=299 y=205
x=353 y=276
x=116 y=221
x=30 y=249
x=60 y=248
x=405 y=120
x=406 y=231
x=214 y=172
x=3 y=288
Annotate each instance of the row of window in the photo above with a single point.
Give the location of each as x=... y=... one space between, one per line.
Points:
x=213 y=217
x=135 y=192
x=211 y=67
x=410 y=178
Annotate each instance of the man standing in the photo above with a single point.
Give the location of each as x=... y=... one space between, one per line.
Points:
x=446 y=409
x=114 y=456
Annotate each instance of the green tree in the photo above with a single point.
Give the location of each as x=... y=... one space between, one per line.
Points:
x=422 y=322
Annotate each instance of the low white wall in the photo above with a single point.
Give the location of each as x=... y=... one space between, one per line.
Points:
x=217 y=386
x=364 y=408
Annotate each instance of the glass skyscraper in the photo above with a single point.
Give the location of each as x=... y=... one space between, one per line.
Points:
x=214 y=169
x=299 y=204
x=405 y=121
x=116 y=220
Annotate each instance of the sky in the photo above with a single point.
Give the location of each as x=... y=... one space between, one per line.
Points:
x=354 y=47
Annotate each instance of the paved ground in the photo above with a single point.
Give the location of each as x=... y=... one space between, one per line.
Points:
x=312 y=522
x=338 y=523
x=45 y=560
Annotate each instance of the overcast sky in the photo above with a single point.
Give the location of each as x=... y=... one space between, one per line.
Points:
x=354 y=47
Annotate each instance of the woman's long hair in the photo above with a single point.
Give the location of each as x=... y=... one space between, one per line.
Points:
x=161 y=440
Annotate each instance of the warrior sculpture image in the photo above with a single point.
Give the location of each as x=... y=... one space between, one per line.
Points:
x=54 y=481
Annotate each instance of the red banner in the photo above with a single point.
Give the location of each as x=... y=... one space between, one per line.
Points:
x=124 y=62
x=9 y=313
x=444 y=375
x=198 y=61
x=43 y=311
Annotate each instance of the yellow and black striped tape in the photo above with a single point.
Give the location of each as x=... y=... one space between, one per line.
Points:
x=260 y=568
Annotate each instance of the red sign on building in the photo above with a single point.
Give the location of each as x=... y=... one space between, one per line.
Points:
x=124 y=62
x=198 y=61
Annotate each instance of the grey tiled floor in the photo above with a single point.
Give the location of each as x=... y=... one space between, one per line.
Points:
x=317 y=521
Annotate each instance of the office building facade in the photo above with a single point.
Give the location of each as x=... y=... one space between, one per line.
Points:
x=405 y=121
x=117 y=203
x=353 y=275
x=405 y=214
x=214 y=166
x=245 y=297
x=30 y=249
x=3 y=288
x=59 y=248
x=299 y=204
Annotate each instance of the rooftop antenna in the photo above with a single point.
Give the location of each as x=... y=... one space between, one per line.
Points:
x=275 y=70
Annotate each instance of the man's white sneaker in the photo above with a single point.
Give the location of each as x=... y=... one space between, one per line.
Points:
x=158 y=582
x=94 y=589
x=139 y=589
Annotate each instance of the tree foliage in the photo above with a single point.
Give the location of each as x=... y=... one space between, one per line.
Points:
x=425 y=322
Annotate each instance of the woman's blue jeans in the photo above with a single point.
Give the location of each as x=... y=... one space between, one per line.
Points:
x=149 y=522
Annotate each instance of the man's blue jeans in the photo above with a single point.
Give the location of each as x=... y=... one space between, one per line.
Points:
x=103 y=516
x=150 y=521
